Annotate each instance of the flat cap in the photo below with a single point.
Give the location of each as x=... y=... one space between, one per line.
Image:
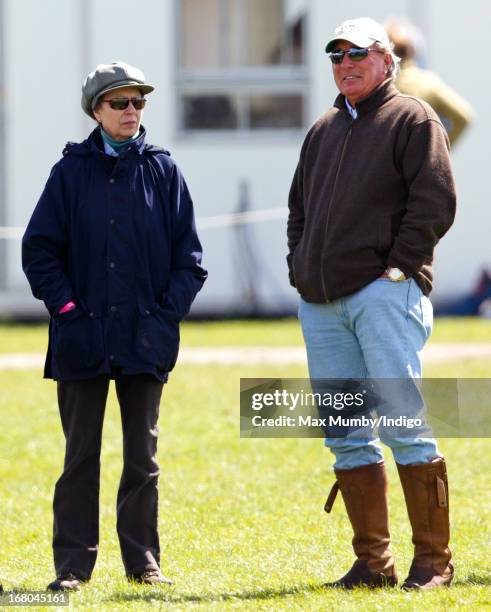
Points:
x=107 y=77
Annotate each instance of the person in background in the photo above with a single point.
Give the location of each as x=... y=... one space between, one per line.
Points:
x=371 y=196
x=455 y=113
x=112 y=250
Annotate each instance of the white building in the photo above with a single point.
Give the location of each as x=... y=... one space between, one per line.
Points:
x=238 y=82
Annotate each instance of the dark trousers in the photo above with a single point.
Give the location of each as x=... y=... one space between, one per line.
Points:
x=76 y=501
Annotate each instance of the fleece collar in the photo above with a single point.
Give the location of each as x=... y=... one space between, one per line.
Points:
x=379 y=96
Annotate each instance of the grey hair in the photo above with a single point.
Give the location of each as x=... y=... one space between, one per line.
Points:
x=394 y=67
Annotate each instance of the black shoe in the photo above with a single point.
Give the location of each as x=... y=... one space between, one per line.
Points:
x=151 y=576
x=69 y=582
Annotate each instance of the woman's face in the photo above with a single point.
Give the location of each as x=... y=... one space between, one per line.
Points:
x=119 y=124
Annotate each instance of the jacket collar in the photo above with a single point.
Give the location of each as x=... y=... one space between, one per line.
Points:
x=96 y=144
x=93 y=145
x=379 y=96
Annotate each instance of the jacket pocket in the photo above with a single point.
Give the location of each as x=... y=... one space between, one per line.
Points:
x=157 y=338
x=77 y=340
x=304 y=272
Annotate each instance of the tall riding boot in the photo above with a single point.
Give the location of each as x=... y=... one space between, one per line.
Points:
x=364 y=490
x=425 y=489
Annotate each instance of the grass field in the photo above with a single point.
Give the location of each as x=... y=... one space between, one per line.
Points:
x=280 y=332
x=241 y=520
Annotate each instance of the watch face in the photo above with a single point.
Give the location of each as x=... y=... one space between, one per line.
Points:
x=395 y=274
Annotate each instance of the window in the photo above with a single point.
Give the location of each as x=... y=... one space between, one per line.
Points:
x=241 y=65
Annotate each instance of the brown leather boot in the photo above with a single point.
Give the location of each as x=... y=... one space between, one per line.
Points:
x=426 y=492
x=364 y=490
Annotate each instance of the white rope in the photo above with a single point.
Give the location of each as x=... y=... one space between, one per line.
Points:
x=11 y=233
x=251 y=216
x=215 y=221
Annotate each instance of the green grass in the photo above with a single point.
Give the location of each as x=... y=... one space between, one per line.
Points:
x=241 y=520
x=278 y=332
x=461 y=329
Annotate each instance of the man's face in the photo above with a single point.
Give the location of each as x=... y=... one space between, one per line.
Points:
x=356 y=80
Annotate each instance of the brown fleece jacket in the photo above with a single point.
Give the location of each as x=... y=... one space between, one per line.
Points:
x=369 y=193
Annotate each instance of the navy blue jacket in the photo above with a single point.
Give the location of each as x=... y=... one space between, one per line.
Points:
x=117 y=236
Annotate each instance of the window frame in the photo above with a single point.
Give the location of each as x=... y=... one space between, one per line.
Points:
x=289 y=79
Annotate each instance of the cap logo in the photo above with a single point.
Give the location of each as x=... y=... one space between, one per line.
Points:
x=349 y=27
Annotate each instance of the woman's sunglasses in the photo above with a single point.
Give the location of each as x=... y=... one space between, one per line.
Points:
x=123 y=103
x=355 y=54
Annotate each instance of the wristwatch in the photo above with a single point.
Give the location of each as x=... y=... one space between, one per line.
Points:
x=395 y=274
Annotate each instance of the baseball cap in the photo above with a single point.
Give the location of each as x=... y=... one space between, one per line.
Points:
x=107 y=77
x=362 y=32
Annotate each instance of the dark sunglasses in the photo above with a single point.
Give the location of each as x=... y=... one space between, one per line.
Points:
x=355 y=54
x=123 y=103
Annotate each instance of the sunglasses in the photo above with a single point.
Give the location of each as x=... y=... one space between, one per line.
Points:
x=123 y=103
x=355 y=54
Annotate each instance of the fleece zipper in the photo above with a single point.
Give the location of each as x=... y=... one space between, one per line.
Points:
x=331 y=204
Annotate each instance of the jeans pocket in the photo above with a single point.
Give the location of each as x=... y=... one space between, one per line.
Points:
x=420 y=309
x=77 y=340
x=157 y=337
x=427 y=314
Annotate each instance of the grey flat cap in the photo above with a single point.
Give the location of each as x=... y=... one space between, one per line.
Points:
x=111 y=76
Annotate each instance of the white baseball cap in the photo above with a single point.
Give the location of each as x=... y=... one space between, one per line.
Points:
x=362 y=32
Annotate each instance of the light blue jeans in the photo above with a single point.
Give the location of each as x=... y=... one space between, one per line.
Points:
x=378 y=333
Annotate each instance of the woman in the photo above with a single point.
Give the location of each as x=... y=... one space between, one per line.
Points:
x=112 y=250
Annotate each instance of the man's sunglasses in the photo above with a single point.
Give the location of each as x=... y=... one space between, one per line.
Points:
x=355 y=54
x=123 y=103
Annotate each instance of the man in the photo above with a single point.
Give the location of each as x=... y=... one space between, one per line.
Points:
x=453 y=110
x=112 y=250
x=371 y=196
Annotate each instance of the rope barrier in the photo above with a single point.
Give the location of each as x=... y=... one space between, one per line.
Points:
x=212 y=222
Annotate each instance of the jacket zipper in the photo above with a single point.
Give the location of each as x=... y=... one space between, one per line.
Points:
x=331 y=203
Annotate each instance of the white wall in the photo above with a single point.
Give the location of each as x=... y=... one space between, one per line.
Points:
x=50 y=47
x=214 y=171
x=42 y=102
